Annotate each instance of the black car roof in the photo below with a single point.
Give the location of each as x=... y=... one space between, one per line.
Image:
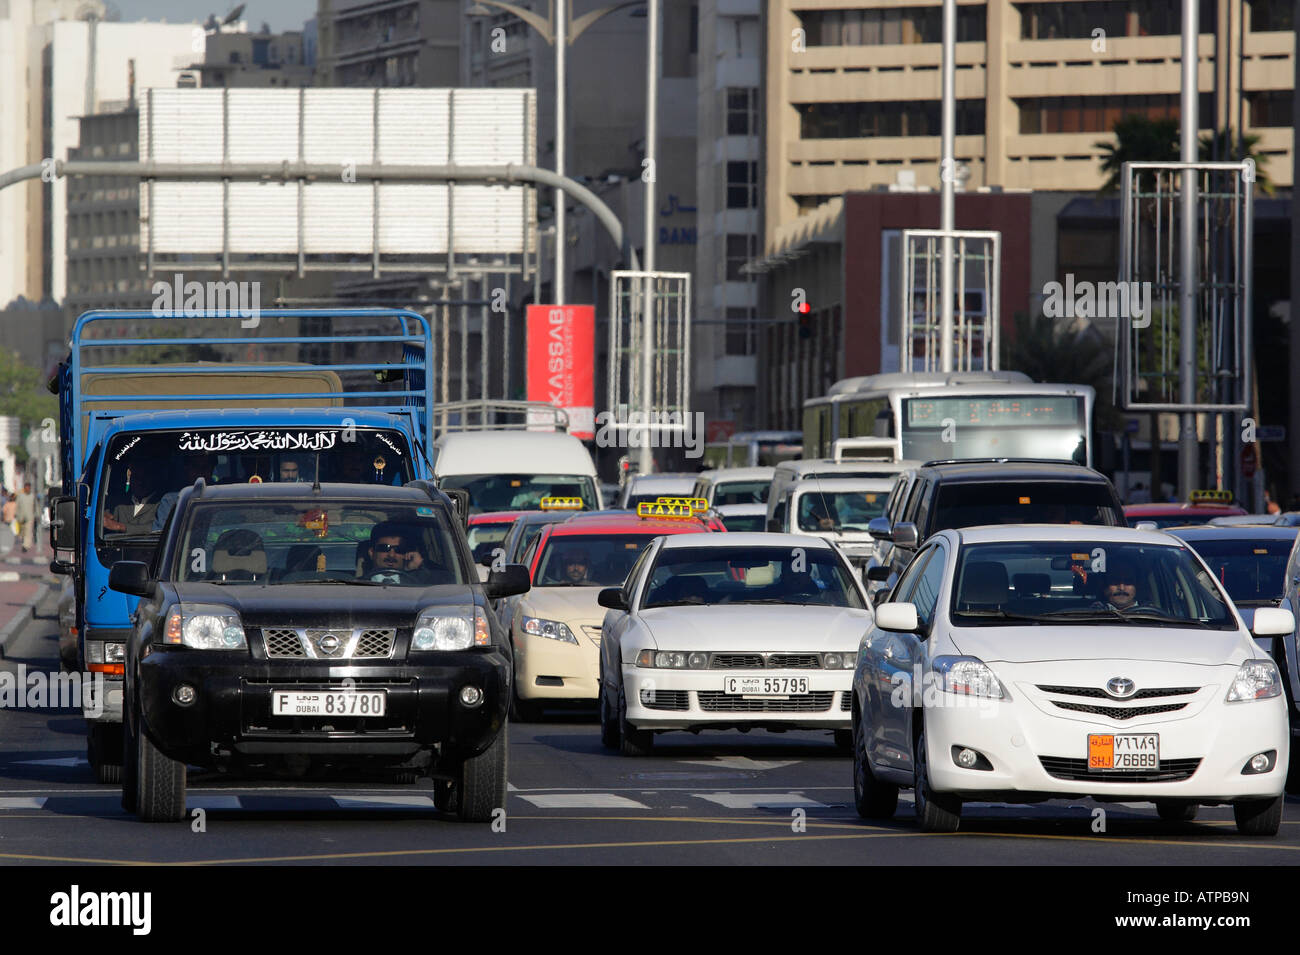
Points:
x=297 y=491
x=1198 y=532
x=1010 y=469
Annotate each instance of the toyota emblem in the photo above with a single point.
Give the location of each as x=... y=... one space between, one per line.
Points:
x=1121 y=687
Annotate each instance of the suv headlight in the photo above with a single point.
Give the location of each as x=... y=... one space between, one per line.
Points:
x=966 y=676
x=1255 y=680
x=451 y=628
x=205 y=627
x=551 y=629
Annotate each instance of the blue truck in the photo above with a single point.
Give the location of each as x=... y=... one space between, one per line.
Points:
x=146 y=409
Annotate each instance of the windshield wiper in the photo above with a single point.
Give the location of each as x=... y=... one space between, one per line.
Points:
x=1085 y=613
x=1001 y=615
x=1157 y=617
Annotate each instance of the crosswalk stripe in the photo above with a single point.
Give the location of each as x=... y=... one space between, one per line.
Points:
x=208 y=802
x=22 y=802
x=761 y=800
x=583 y=801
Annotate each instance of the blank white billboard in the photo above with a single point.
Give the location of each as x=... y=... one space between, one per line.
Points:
x=344 y=128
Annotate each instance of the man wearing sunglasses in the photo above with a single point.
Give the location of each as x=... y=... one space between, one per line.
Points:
x=395 y=558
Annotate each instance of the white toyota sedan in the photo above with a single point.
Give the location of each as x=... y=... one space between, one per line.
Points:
x=748 y=630
x=1017 y=664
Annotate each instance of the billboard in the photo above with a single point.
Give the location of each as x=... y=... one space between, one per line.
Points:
x=562 y=362
x=343 y=128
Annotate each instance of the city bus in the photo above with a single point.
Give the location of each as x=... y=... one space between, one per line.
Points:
x=754 y=449
x=939 y=416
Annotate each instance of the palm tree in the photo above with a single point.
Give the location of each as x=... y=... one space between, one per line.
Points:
x=1137 y=139
x=1230 y=150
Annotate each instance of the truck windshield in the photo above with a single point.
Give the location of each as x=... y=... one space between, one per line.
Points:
x=145 y=471
x=520 y=492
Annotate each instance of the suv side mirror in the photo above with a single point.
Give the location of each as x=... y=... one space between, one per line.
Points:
x=459 y=503
x=509 y=580
x=63 y=523
x=905 y=534
x=880 y=528
x=131 y=577
x=611 y=598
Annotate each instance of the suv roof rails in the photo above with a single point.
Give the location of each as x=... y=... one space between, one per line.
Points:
x=930 y=464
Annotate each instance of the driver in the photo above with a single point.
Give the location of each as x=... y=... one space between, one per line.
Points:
x=395 y=557
x=138 y=516
x=576 y=566
x=1120 y=588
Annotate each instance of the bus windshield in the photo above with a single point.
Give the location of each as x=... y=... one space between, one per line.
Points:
x=1050 y=427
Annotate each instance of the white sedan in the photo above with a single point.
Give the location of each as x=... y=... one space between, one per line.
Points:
x=730 y=631
x=1032 y=662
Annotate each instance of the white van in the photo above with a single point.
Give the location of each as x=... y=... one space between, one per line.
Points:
x=514 y=470
x=839 y=510
x=789 y=473
x=734 y=486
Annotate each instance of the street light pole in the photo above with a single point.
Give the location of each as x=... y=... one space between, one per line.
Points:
x=1188 y=448
x=561 y=19
x=947 y=180
x=652 y=173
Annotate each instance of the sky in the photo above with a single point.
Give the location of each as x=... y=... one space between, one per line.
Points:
x=280 y=14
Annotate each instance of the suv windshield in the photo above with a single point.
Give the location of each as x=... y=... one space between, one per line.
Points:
x=749 y=575
x=318 y=541
x=1253 y=572
x=741 y=492
x=1079 y=582
x=1025 y=502
x=839 y=510
x=520 y=492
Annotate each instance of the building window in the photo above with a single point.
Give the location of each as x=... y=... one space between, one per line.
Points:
x=740 y=249
x=811 y=203
x=1271 y=15
x=1099 y=114
x=897 y=118
x=742 y=111
x=740 y=331
x=742 y=185
x=1271 y=108
x=888 y=26
x=1071 y=21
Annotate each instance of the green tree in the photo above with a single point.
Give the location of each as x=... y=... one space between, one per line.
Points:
x=23 y=394
x=1139 y=139
x=1052 y=349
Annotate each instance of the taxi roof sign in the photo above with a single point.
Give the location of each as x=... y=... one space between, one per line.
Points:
x=1210 y=497
x=694 y=503
x=560 y=504
x=671 y=509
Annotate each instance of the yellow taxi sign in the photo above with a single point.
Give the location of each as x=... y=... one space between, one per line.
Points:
x=670 y=510
x=694 y=503
x=1210 y=497
x=560 y=504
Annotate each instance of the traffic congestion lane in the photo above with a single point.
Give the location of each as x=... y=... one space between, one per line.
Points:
x=716 y=798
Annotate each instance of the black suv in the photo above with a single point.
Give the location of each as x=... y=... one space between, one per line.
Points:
x=286 y=625
x=950 y=494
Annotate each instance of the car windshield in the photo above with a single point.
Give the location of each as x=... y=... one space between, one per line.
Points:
x=737 y=523
x=588 y=560
x=520 y=492
x=1081 y=581
x=840 y=510
x=1253 y=572
x=741 y=492
x=484 y=538
x=1037 y=502
x=711 y=576
x=318 y=541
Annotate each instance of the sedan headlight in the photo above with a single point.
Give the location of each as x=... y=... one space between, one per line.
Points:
x=839 y=661
x=205 y=627
x=672 y=660
x=967 y=676
x=550 y=629
x=1255 y=680
x=451 y=628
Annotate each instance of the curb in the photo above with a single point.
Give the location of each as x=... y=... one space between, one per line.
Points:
x=21 y=617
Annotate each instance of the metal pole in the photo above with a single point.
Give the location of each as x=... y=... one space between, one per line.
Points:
x=947 y=178
x=651 y=152
x=1188 y=449
x=561 y=8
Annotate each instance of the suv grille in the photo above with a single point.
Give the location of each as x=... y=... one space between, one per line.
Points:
x=1170 y=771
x=284 y=643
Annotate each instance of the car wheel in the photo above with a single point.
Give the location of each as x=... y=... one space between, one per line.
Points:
x=872 y=798
x=844 y=741
x=632 y=741
x=104 y=751
x=935 y=812
x=1259 y=817
x=1173 y=810
x=482 y=788
x=159 y=782
x=609 y=736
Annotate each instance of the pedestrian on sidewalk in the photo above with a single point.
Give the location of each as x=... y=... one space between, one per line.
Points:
x=9 y=510
x=26 y=514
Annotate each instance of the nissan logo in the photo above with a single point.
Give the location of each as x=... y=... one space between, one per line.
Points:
x=329 y=643
x=1121 y=687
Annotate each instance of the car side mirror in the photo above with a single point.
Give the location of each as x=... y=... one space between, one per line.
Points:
x=879 y=597
x=459 y=503
x=900 y=617
x=131 y=577
x=880 y=528
x=63 y=523
x=904 y=534
x=63 y=567
x=878 y=573
x=611 y=598
x=509 y=580
x=1273 y=622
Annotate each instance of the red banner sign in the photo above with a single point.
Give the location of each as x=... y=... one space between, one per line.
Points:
x=562 y=360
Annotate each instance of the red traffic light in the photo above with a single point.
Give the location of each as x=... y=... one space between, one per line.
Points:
x=805 y=308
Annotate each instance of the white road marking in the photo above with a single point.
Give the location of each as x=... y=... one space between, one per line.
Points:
x=57 y=761
x=382 y=802
x=584 y=801
x=740 y=762
x=761 y=800
x=23 y=802
x=213 y=801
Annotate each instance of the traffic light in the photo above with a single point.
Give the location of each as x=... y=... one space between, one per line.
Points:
x=805 y=321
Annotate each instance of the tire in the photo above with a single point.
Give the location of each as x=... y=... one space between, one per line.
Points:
x=609 y=734
x=844 y=740
x=631 y=741
x=1173 y=810
x=104 y=751
x=160 y=782
x=872 y=798
x=482 y=788
x=935 y=812
x=1259 y=817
